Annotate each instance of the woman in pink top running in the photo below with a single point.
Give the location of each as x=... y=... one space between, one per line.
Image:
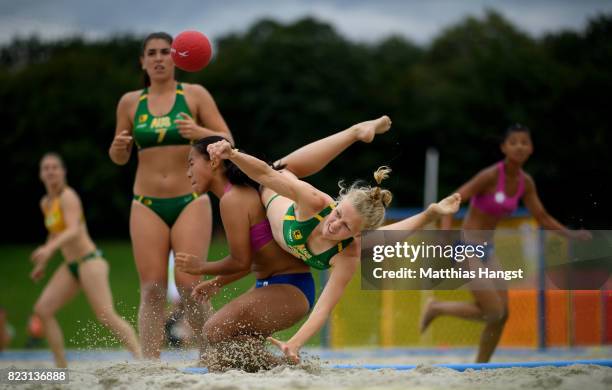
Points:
x=494 y=193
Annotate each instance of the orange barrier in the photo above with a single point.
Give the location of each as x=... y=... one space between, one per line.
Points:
x=607 y=299
x=587 y=317
x=557 y=318
x=521 y=330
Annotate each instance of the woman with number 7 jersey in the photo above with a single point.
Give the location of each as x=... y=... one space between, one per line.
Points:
x=163 y=119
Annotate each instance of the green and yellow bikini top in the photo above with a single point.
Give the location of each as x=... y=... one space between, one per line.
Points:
x=150 y=130
x=296 y=234
x=54 y=217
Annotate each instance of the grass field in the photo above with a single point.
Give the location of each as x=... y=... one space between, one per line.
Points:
x=18 y=294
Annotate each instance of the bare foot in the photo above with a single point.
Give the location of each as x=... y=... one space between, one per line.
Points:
x=368 y=129
x=448 y=205
x=428 y=315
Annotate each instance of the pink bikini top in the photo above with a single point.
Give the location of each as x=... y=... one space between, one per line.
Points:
x=261 y=232
x=499 y=204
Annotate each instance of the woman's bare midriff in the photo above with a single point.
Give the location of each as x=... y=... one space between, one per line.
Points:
x=477 y=220
x=271 y=260
x=162 y=172
x=80 y=246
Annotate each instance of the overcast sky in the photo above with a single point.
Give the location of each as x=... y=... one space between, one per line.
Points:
x=359 y=20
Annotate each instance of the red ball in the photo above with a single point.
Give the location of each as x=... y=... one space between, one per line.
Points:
x=191 y=51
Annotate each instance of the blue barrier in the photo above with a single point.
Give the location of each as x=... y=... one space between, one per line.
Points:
x=482 y=366
x=456 y=367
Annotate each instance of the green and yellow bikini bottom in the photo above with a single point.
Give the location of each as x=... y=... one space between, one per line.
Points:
x=73 y=266
x=168 y=209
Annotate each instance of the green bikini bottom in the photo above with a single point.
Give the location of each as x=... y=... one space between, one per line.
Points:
x=168 y=209
x=73 y=266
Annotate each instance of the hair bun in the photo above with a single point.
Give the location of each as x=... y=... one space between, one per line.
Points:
x=375 y=194
x=382 y=173
x=386 y=197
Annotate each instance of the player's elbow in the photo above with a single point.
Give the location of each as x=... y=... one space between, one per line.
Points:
x=116 y=159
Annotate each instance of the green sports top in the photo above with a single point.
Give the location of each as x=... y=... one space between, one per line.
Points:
x=296 y=234
x=150 y=130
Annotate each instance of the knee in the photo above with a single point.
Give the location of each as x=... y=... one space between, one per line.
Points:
x=496 y=315
x=216 y=331
x=212 y=332
x=152 y=292
x=42 y=311
x=105 y=316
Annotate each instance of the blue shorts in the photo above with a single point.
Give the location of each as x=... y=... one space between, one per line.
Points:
x=302 y=281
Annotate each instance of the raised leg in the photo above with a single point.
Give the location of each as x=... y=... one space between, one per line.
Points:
x=311 y=158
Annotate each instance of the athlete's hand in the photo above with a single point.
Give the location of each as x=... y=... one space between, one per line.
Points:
x=205 y=290
x=42 y=254
x=448 y=205
x=189 y=263
x=188 y=129
x=291 y=351
x=221 y=150
x=38 y=272
x=122 y=141
x=40 y=257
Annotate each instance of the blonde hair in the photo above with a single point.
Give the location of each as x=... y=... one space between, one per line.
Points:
x=370 y=202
